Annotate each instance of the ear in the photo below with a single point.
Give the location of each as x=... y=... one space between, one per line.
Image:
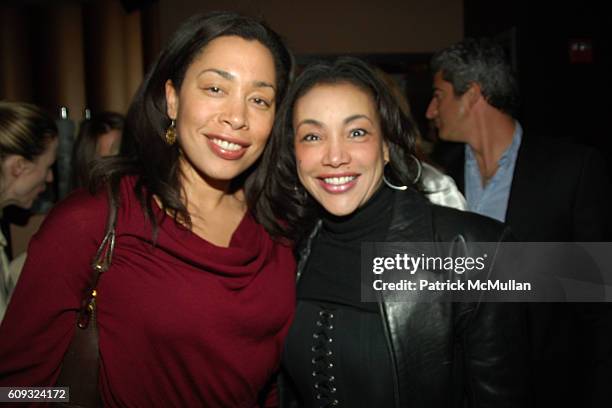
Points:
x=15 y=165
x=473 y=94
x=171 y=100
x=386 y=152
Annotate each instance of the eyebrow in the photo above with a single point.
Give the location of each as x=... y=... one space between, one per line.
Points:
x=309 y=122
x=355 y=117
x=231 y=77
x=345 y=121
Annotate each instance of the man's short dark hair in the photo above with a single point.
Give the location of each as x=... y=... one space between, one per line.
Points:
x=484 y=62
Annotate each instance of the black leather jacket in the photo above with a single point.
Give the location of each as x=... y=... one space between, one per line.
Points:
x=447 y=354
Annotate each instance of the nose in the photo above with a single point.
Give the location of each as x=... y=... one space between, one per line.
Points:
x=235 y=113
x=432 y=109
x=336 y=153
x=49 y=178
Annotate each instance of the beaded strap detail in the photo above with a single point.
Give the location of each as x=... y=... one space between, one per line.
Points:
x=323 y=360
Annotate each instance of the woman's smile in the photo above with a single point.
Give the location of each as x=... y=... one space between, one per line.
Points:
x=339 y=183
x=227 y=148
x=339 y=146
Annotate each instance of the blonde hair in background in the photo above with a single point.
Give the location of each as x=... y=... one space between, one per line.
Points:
x=25 y=130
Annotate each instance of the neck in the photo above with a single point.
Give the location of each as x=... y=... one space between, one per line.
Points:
x=493 y=132
x=215 y=209
x=4 y=201
x=203 y=195
x=6 y=189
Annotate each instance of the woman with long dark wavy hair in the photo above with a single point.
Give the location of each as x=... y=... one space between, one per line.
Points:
x=339 y=172
x=198 y=298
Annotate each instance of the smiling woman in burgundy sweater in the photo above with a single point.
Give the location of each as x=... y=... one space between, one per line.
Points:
x=198 y=299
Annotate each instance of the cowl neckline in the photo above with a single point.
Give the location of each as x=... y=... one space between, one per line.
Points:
x=235 y=266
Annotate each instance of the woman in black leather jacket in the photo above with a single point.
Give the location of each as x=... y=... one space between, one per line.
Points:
x=340 y=172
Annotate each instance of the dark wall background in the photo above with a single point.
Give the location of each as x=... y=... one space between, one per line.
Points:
x=560 y=98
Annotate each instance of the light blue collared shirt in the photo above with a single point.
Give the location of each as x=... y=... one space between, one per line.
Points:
x=492 y=199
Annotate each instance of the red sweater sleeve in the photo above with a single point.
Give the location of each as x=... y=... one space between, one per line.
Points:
x=40 y=319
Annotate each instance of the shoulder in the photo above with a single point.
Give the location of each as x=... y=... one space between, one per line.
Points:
x=558 y=150
x=562 y=161
x=415 y=216
x=83 y=214
x=441 y=189
x=449 y=223
x=78 y=213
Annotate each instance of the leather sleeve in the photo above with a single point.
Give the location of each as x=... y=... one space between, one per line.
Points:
x=494 y=345
x=491 y=337
x=495 y=350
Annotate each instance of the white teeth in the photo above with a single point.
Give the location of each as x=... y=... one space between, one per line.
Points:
x=225 y=145
x=338 y=180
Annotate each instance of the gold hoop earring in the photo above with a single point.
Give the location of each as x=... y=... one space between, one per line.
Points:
x=171 y=133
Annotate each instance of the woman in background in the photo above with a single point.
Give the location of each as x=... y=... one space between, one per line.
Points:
x=198 y=298
x=98 y=137
x=339 y=172
x=28 y=144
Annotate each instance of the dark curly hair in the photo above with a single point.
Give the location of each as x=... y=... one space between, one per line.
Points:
x=145 y=154
x=276 y=196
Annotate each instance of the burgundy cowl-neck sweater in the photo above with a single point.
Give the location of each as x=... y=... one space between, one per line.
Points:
x=183 y=323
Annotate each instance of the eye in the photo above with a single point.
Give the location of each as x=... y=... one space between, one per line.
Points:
x=310 y=137
x=358 y=133
x=213 y=90
x=261 y=102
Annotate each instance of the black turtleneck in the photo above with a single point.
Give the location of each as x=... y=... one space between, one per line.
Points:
x=333 y=270
x=337 y=341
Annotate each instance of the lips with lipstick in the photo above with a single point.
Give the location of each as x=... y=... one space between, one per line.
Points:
x=227 y=148
x=338 y=183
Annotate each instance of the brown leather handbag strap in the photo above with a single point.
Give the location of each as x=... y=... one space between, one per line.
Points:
x=80 y=365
